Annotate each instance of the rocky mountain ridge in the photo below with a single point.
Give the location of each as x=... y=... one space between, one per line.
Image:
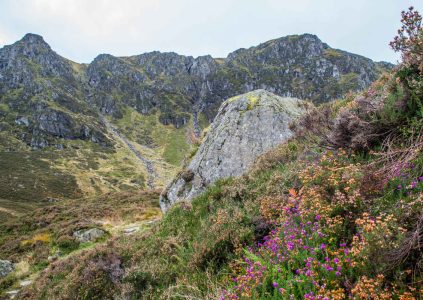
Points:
x=56 y=98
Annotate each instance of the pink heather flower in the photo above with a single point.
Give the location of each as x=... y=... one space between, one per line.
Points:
x=329 y=268
x=318 y=217
x=338 y=273
x=275 y=284
x=323 y=246
x=343 y=245
x=413 y=184
x=336 y=260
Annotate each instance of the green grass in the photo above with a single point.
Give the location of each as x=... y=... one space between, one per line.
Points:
x=170 y=142
x=176 y=147
x=32 y=177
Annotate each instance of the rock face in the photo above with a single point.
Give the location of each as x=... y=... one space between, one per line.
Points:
x=181 y=86
x=45 y=97
x=44 y=93
x=88 y=235
x=245 y=127
x=5 y=267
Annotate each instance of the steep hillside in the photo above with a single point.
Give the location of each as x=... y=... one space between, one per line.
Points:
x=50 y=97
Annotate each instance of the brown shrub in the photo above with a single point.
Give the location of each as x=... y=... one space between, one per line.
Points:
x=349 y=131
x=92 y=274
x=187 y=175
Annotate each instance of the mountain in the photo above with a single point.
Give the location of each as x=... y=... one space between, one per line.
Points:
x=245 y=127
x=122 y=123
x=179 y=86
x=58 y=98
x=41 y=92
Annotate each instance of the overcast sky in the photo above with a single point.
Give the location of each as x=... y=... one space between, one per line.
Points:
x=82 y=29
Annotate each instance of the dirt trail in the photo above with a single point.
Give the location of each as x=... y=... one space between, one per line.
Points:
x=8 y=211
x=148 y=164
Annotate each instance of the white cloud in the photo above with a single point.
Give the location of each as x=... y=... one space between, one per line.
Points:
x=81 y=29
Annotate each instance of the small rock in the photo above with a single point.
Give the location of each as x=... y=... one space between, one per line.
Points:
x=52 y=200
x=131 y=229
x=55 y=256
x=12 y=294
x=88 y=235
x=6 y=267
x=25 y=283
x=52 y=258
x=21 y=120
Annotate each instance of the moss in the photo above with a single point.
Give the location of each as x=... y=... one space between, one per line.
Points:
x=332 y=53
x=349 y=82
x=4 y=108
x=252 y=101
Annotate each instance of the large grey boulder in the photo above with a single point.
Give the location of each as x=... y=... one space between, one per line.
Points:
x=5 y=267
x=88 y=235
x=245 y=127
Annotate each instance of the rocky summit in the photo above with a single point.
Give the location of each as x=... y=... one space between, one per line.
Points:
x=245 y=127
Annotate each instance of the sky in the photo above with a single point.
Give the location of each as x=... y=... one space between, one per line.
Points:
x=82 y=29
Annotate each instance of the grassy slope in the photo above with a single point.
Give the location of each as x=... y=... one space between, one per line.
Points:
x=81 y=169
x=168 y=141
x=31 y=238
x=84 y=169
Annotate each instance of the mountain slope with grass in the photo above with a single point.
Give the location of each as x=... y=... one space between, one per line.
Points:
x=335 y=212
x=70 y=130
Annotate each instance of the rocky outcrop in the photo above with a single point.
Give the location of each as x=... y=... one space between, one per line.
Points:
x=5 y=267
x=44 y=93
x=88 y=235
x=245 y=127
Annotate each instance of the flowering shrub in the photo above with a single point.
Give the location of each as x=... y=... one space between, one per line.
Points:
x=409 y=40
x=298 y=259
x=326 y=243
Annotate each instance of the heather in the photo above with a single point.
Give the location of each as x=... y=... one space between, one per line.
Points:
x=351 y=228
